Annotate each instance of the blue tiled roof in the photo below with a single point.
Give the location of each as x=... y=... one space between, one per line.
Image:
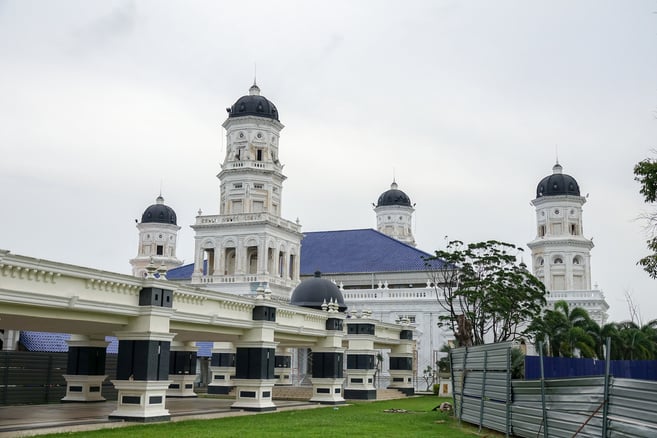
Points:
x=345 y=251
x=183 y=272
x=56 y=342
x=352 y=251
x=46 y=342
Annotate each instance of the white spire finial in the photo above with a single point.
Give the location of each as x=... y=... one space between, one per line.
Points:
x=254 y=90
x=556 y=152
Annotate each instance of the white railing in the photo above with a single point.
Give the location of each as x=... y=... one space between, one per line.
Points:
x=424 y=294
x=250 y=164
x=247 y=218
x=246 y=278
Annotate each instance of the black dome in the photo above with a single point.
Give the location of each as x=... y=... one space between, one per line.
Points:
x=394 y=196
x=159 y=213
x=312 y=292
x=557 y=184
x=253 y=104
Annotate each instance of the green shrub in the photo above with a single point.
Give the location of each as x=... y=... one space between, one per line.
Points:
x=436 y=388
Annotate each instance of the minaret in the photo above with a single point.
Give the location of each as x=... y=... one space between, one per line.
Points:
x=561 y=255
x=251 y=174
x=394 y=215
x=248 y=244
x=158 y=233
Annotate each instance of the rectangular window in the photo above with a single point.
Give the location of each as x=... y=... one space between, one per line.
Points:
x=259 y=154
x=160 y=250
x=558 y=282
x=237 y=185
x=258 y=186
x=237 y=207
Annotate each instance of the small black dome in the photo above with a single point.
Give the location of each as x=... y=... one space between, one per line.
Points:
x=312 y=292
x=253 y=104
x=557 y=184
x=394 y=196
x=159 y=213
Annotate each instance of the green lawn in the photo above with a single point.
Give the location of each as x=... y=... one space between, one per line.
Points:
x=356 y=420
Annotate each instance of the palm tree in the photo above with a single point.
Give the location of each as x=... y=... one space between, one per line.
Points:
x=567 y=331
x=637 y=343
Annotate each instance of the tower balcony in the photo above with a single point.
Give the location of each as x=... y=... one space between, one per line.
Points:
x=245 y=218
x=251 y=164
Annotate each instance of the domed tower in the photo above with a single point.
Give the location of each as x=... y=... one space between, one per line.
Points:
x=249 y=243
x=158 y=233
x=394 y=215
x=561 y=255
x=251 y=174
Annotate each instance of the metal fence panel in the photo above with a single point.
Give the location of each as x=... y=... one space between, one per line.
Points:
x=481 y=385
x=575 y=407
x=633 y=408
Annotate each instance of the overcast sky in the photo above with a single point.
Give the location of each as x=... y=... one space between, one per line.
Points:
x=101 y=103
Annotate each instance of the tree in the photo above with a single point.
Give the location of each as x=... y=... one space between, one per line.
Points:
x=563 y=331
x=645 y=172
x=486 y=294
x=636 y=342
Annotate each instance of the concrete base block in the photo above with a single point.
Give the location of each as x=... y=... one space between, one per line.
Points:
x=254 y=394
x=402 y=380
x=83 y=388
x=219 y=389
x=360 y=394
x=182 y=385
x=327 y=391
x=141 y=400
x=283 y=376
x=360 y=384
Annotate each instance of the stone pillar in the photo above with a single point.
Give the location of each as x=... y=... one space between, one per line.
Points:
x=286 y=266
x=85 y=369
x=240 y=257
x=328 y=365
x=283 y=367
x=254 y=363
x=222 y=368
x=361 y=361
x=142 y=371
x=401 y=364
x=262 y=257
x=182 y=369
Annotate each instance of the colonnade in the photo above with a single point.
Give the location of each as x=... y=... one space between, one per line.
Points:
x=152 y=366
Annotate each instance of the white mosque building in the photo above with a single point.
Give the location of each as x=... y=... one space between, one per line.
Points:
x=248 y=246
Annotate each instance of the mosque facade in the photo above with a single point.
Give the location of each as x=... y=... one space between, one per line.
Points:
x=249 y=249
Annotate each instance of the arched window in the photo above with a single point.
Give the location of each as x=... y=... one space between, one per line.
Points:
x=577 y=260
x=558 y=260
